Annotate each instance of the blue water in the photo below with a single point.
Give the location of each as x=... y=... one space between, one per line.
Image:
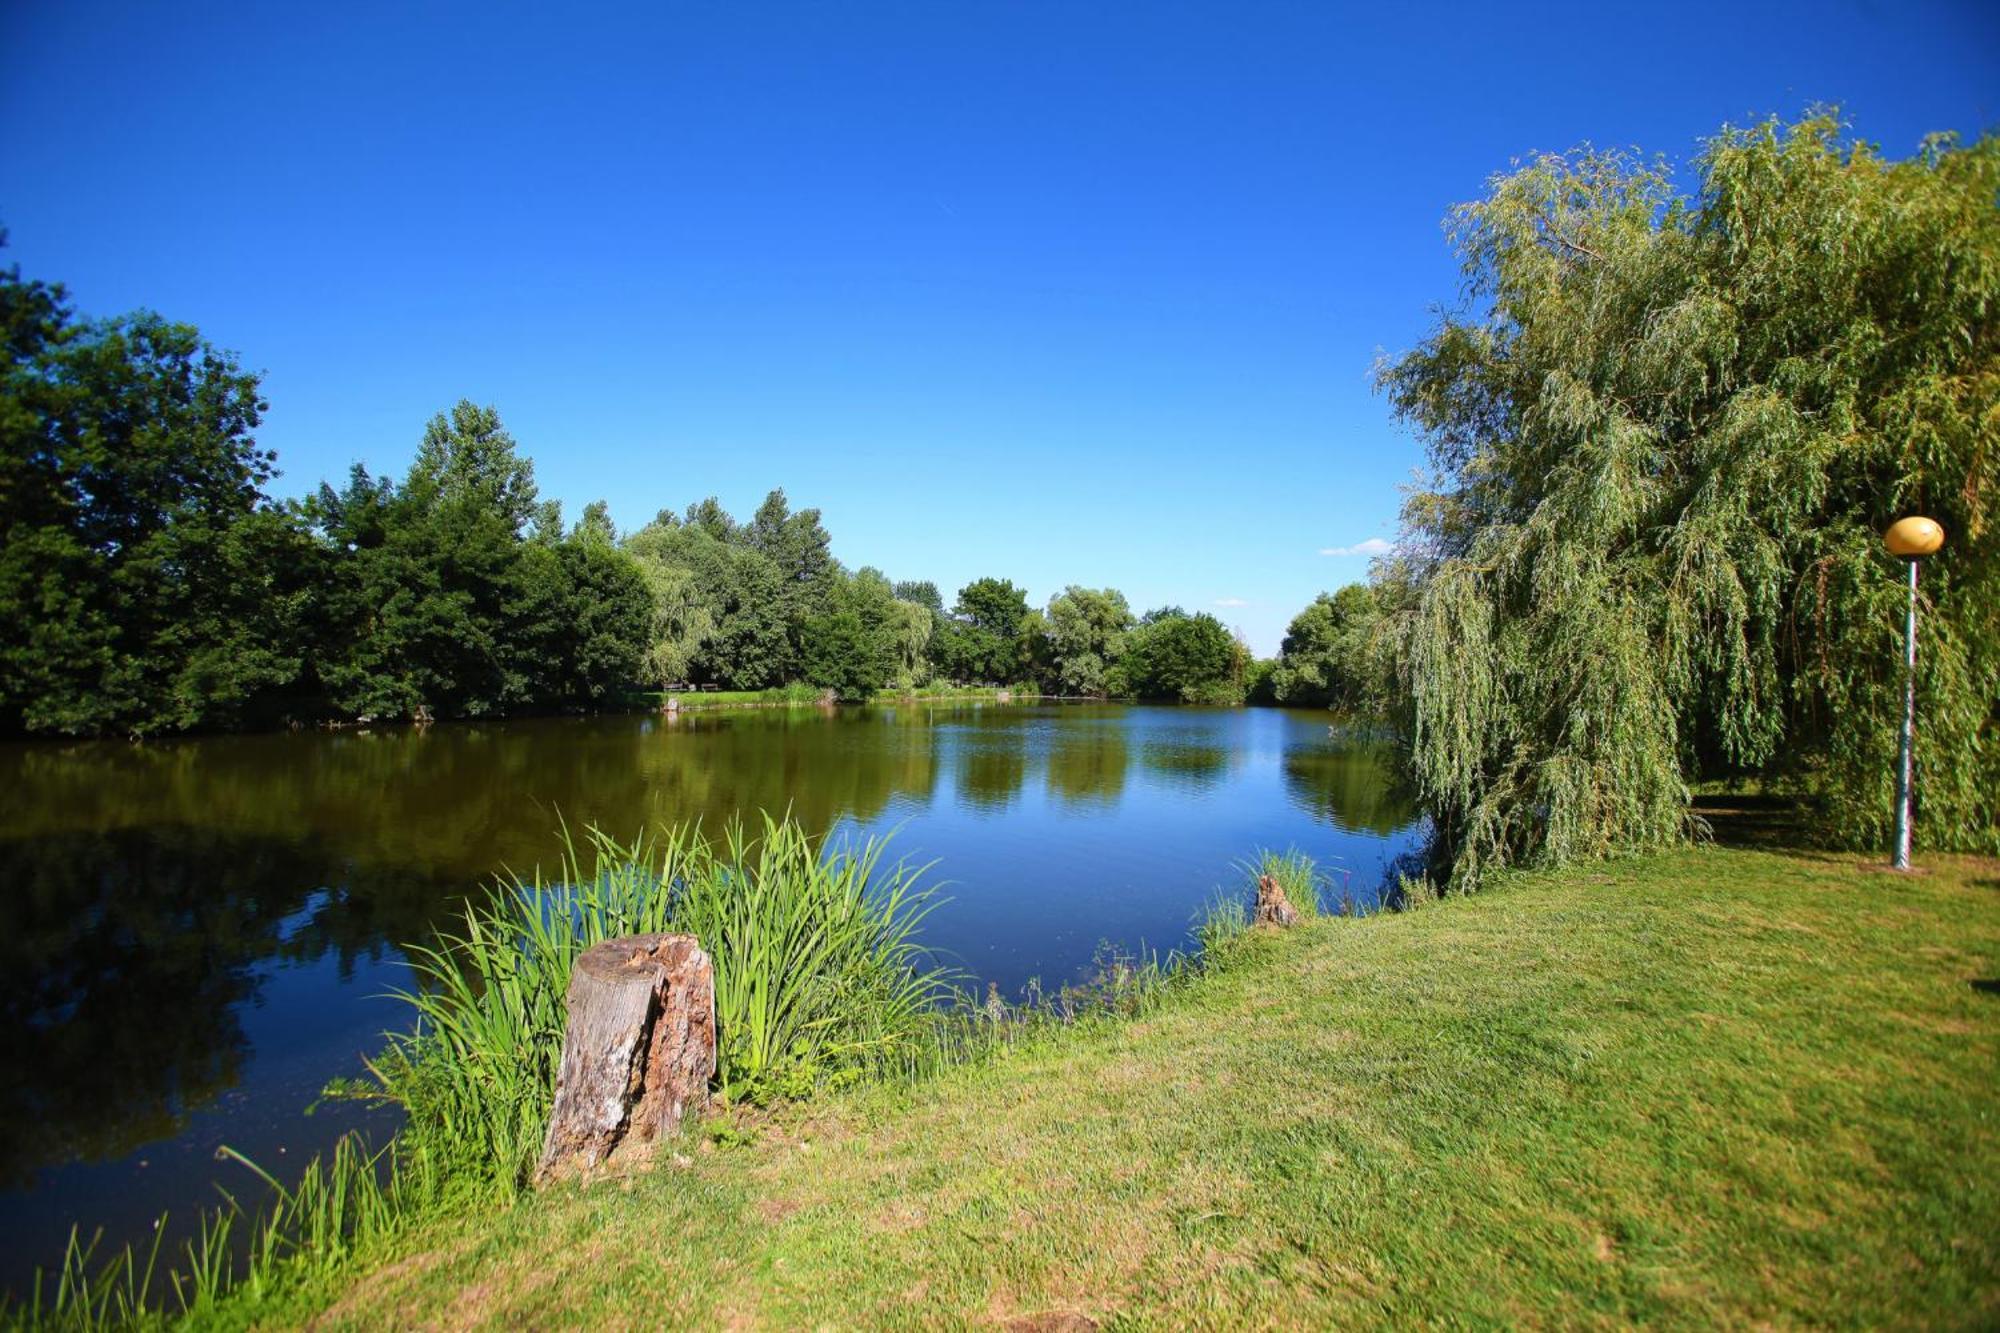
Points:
x=197 y=932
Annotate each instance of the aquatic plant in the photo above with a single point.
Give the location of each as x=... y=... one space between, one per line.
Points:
x=819 y=978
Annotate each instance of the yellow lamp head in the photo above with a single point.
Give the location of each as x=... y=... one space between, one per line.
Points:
x=1913 y=537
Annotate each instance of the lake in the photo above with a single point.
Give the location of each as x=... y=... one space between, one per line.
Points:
x=198 y=933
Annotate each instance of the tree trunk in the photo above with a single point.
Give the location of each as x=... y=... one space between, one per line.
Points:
x=638 y=1053
x=1273 y=907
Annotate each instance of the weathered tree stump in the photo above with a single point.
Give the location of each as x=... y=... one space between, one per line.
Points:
x=638 y=1053
x=1273 y=907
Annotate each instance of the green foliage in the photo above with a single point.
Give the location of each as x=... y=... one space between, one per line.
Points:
x=1667 y=432
x=981 y=640
x=864 y=638
x=1259 y=681
x=1086 y=631
x=457 y=594
x=146 y=582
x=1326 y=660
x=819 y=980
x=1188 y=658
x=921 y=592
x=755 y=606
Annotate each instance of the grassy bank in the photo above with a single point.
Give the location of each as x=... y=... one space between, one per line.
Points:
x=802 y=696
x=1718 y=1086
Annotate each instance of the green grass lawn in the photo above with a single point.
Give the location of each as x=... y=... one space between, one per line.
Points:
x=1717 y=1087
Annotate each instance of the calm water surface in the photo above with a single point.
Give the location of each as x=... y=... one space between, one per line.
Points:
x=197 y=932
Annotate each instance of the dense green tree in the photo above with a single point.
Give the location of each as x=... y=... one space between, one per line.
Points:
x=457 y=593
x=755 y=646
x=1327 y=658
x=595 y=641
x=800 y=552
x=595 y=527
x=1189 y=658
x=981 y=640
x=921 y=592
x=691 y=571
x=710 y=517
x=1086 y=631
x=1667 y=431
x=147 y=583
x=724 y=611
x=435 y=594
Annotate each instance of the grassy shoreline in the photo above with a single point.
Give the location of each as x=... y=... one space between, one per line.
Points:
x=803 y=696
x=1706 y=1087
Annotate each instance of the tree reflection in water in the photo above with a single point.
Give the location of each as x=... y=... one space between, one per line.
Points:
x=196 y=930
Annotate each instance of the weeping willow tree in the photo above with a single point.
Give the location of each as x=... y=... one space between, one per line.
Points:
x=1666 y=432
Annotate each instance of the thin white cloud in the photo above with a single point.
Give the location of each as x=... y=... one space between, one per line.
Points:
x=1371 y=547
x=1231 y=601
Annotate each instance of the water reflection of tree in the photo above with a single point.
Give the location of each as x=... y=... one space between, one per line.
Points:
x=1194 y=759
x=127 y=960
x=1087 y=763
x=1353 y=786
x=992 y=763
x=461 y=801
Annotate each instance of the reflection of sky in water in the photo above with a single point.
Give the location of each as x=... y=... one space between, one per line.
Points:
x=196 y=930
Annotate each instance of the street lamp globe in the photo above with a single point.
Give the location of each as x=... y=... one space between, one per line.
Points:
x=1914 y=537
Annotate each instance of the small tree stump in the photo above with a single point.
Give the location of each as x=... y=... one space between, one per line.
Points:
x=638 y=1053
x=1273 y=907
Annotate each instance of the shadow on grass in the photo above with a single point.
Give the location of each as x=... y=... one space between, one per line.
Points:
x=1754 y=820
x=1986 y=985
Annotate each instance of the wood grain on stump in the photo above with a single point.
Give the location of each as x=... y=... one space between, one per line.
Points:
x=638 y=1053
x=1273 y=907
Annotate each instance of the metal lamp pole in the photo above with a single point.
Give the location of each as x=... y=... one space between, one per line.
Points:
x=1910 y=539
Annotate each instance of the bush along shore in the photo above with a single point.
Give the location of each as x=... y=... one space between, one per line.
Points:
x=689 y=700
x=1705 y=1087
x=821 y=984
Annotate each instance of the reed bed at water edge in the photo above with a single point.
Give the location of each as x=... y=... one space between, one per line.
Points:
x=819 y=979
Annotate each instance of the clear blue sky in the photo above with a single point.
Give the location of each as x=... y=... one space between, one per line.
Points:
x=1063 y=292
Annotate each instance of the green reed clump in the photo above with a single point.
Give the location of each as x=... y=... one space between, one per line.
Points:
x=819 y=980
x=1297 y=874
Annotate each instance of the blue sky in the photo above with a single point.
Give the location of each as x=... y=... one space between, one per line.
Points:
x=1066 y=292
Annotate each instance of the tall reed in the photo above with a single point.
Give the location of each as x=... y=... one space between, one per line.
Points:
x=819 y=979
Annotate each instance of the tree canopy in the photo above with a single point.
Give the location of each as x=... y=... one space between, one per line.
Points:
x=1666 y=431
x=148 y=584
x=1326 y=659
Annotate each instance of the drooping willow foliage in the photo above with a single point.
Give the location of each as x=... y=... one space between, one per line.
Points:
x=1666 y=433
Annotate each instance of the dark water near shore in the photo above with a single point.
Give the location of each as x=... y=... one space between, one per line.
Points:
x=195 y=931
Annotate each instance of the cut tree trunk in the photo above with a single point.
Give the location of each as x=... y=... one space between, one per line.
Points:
x=638 y=1053
x=1273 y=907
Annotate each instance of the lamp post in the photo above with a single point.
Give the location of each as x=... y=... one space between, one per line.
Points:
x=1910 y=540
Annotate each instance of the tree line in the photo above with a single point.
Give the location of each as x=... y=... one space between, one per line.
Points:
x=151 y=585
x=1665 y=431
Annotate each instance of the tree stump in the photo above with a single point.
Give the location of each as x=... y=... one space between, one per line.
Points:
x=1273 y=907
x=638 y=1053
